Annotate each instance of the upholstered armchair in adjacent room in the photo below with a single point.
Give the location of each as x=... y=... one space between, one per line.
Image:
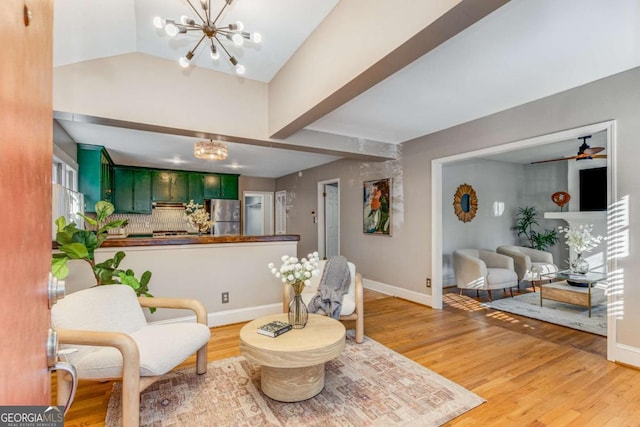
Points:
x=481 y=269
x=107 y=328
x=529 y=263
x=352 y=303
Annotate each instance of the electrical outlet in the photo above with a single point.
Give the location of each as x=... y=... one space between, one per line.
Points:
x=428 y=282
x=225 y=297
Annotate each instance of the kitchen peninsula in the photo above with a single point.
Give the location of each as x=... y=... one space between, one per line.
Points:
x=201 y=267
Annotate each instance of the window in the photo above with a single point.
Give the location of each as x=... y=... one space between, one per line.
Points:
x=64 y=174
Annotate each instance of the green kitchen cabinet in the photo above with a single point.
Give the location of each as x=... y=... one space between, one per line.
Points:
x=229 y=187
x=211 y=186
x=95 y=175
x=132 y=190
x=169 y=186
x=196 y=187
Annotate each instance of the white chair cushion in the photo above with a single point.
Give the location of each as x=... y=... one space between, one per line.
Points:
x=349 y=299
x=162 y=347
x=112 y=308
x=499 y=278
x=348 y=303
x=543 y=268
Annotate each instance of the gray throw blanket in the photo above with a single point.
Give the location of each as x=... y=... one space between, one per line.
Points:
x=333 y=285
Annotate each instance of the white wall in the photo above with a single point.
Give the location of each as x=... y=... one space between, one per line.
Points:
x=203 y=272
x=497 y=186
x=405 y=258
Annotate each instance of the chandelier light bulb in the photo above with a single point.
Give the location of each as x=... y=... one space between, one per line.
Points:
x=184 y=62
x=171 y=29
x=185 y=20
x=256 y=37
x=240 y=69
x=158 y=22
x=239 y=26
x=214 y=53
x=237 y=39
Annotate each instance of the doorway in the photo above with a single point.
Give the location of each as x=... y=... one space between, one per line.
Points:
x=257 y=209
x=329 y=218
x=437 y=203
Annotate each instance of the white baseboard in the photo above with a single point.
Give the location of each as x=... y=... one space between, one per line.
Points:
x=395 y=291
x=228 y=317
x=627 y=355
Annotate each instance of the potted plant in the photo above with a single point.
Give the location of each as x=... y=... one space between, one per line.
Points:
x=76 y=243
x=526 y=219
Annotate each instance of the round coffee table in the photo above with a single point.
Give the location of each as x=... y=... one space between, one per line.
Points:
x=293 y=363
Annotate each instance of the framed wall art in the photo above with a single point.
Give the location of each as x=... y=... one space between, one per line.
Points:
x=377 y=207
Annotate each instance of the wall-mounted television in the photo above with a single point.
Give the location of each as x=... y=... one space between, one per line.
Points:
x=593 y=189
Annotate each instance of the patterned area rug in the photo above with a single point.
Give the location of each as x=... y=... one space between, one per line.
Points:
x=368 y=385
x=559 y=313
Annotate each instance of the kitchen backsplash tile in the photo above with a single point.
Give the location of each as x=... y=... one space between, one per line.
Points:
x=161 y=219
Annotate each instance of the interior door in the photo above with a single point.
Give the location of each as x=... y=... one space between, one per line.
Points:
x=26 y=155
x=332 y=220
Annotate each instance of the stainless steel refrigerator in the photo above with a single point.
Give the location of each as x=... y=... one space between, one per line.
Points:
x=226 y=214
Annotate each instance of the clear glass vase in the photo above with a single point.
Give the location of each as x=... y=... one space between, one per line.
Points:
x=298 y=312
x=579 y=265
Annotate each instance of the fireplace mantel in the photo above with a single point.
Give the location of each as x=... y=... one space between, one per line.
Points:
x=578 y=217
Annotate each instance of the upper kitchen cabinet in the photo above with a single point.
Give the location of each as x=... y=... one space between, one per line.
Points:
x=229 y=187
x=196 y=187
x=132 y=190
x=95 y=175
x=169 y=186
x=211 y=186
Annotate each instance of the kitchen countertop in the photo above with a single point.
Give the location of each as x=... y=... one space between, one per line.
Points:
x=147 y=240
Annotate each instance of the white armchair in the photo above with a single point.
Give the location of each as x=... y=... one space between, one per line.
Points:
x=483 y=270
x=529 y=263
x=352 y=303
x=113 y=340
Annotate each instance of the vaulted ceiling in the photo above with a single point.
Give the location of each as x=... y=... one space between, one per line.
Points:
x=522 y=51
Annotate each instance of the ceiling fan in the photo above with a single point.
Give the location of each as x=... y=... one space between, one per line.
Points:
x=584 y=152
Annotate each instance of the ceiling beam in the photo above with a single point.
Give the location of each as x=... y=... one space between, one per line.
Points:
x=84 y=118
x=286 y=116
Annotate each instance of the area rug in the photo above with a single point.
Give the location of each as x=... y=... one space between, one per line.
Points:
x=367 y=385
x=559 y=313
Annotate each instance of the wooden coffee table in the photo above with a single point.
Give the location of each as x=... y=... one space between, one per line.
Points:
x=293 y=363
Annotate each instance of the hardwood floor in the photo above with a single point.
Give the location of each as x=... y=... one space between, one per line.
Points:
x=531 y=373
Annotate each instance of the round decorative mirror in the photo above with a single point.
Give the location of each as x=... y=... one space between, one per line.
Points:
x=465 y=203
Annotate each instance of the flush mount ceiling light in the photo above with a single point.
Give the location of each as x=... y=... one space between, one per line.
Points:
x=207 y=27
x=210 y=150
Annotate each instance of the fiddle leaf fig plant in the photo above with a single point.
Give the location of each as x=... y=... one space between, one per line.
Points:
x=80 y=244
x=526 y=219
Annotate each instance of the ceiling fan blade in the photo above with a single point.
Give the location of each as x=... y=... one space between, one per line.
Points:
x=555 y=160
x=593 y=150
x=599 y=156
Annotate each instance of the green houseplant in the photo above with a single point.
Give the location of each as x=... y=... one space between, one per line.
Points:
x=76 y=243
x=526 y=219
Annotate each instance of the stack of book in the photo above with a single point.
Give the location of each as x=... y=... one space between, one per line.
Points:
x=275 y=328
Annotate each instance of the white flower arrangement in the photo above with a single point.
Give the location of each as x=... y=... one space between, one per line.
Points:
x=580 y=238
x=297 y=273
x=198 y=217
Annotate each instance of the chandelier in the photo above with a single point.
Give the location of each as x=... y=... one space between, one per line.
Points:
x=207 y=27
x=210 y=150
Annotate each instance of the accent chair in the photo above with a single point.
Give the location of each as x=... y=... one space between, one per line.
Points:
x=529 y=263
x=107 y=328
x=482 y=269
x=352 y=303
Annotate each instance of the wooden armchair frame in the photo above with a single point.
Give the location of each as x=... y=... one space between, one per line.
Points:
x=132 y=383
